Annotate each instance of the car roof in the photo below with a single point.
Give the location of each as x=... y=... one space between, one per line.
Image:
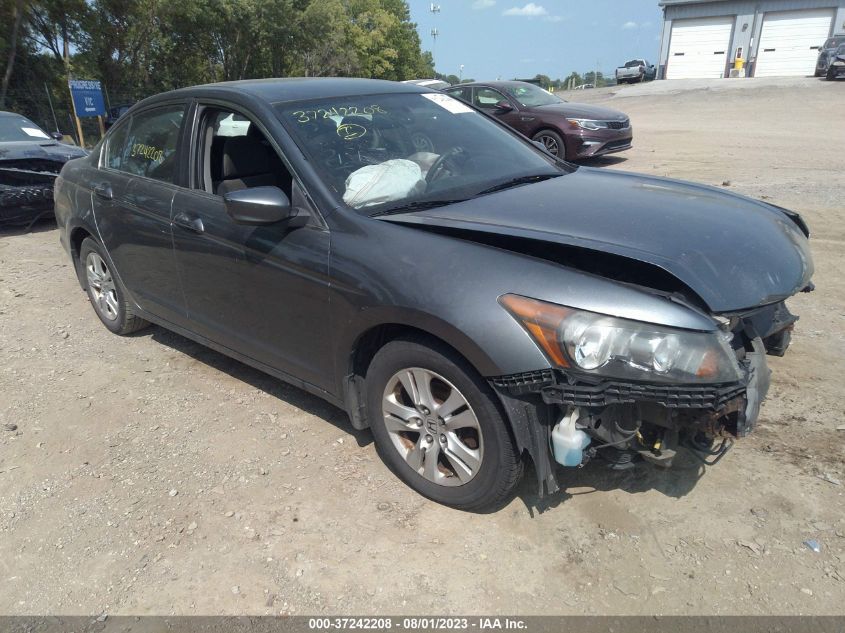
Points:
x=498 y=84
x=281 y=90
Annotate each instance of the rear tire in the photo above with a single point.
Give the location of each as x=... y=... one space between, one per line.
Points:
x=106 y=292
x=438 y=426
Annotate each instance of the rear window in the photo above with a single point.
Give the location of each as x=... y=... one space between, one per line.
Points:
x=634 y=63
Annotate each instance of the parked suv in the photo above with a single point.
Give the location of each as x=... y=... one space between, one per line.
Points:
x=826 y=53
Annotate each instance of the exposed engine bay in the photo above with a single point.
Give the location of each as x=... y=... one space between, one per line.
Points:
x=625 y=422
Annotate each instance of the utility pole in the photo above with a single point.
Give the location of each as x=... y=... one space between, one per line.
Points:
x=461 y=74
x=50 y=101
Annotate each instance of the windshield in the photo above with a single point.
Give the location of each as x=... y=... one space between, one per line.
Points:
x=384 y=152
x=17 y=128
x=833 y=42
x=530 y=95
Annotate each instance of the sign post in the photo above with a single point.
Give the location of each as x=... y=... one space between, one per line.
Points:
x=87 y=99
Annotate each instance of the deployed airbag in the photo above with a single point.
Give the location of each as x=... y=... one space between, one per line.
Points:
x=391 y=180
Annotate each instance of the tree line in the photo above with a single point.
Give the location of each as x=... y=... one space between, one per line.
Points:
x=141 y=47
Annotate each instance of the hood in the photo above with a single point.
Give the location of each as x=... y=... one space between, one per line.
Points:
x=582 y=111
x=733 y=252
x=50 y=150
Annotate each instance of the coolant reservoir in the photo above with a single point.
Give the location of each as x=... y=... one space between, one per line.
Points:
x=568 y=443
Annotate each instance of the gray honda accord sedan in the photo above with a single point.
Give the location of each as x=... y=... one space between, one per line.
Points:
x=475 y=301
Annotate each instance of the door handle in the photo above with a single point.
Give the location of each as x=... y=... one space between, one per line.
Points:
x=188 y=222
x=104 y=191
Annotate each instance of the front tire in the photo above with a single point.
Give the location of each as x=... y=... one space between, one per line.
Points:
x=438 y=426
x=105 y=291
x=552 y=141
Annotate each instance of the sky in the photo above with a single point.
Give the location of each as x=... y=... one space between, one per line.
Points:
x=517 y=38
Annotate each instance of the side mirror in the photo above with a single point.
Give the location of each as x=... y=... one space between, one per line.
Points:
x=56 y=136
x=504 y=106
x=262 y=205
x=540 y=145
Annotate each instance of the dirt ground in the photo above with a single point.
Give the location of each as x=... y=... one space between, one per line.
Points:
x=148 y=475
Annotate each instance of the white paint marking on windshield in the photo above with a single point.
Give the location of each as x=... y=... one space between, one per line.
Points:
x=448 y=103
x=31 y=131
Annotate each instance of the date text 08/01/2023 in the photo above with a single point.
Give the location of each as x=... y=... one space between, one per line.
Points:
x=416 y=623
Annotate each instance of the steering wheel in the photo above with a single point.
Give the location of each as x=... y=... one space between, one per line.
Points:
x=438 y=168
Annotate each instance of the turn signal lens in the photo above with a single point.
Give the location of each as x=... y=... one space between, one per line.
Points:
x=542 y=320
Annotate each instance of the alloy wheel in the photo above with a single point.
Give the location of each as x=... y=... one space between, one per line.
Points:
x=432 y=426
x=101 y=283
x=550 y=144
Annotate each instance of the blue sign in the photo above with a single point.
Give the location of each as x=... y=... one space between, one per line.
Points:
x=87 y=97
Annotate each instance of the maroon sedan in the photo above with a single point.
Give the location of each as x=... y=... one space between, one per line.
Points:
x=568 y=130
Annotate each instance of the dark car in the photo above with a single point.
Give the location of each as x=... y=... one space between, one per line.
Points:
x=476 y=307
x=826 y=54
x=30 y=160
x=634 y=71
x=568 y=130
x=836 y=66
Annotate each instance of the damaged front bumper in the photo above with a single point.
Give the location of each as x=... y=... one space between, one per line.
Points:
x=628 y=421
x=26 y=192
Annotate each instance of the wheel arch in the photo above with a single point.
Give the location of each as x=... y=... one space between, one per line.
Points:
x=376 y=335
x=522 y=418
x=76 y=236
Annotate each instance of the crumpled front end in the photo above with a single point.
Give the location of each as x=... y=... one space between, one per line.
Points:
x=631 y=421
x=26 y=189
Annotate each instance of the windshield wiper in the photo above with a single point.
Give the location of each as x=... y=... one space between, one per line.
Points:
x=419 y=205
x=515 y=182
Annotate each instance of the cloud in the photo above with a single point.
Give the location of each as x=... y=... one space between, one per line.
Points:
x=630 y=26
x=530 y=10
x=483 y=4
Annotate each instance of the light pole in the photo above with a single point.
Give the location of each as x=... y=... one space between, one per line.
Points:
x=461 y=73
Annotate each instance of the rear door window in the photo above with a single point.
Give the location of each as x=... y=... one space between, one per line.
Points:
x=148 y=144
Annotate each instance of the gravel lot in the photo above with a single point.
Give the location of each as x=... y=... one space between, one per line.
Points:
x=148 y=475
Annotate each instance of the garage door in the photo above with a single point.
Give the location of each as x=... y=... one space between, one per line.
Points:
x=699 y=48
x=789 y=42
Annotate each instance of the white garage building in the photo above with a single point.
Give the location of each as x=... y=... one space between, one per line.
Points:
x=703 y=38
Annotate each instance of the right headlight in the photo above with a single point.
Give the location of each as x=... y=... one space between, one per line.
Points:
x=621 y=348
x=588 y=124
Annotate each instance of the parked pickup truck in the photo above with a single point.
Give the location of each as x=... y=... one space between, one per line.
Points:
x=634 y=71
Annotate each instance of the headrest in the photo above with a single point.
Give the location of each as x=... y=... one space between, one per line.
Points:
x=244 y=156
